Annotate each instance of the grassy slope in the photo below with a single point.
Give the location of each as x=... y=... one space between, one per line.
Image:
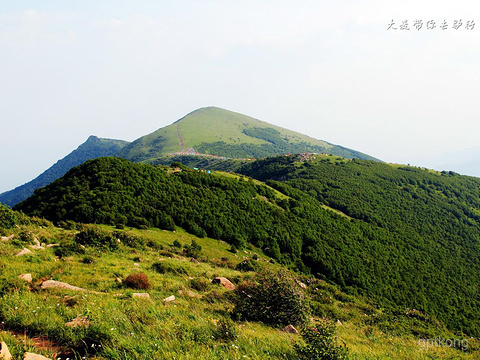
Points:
x=139 y=329
x=208 y=125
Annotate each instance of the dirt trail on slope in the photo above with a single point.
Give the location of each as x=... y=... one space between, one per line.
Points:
x=181 y=142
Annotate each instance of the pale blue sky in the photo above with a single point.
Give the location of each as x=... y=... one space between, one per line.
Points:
x=328 y=69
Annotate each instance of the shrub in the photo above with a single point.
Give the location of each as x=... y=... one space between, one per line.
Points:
x=97 y=238
x=177 y=244
x=226 y=330
x=88 y=260
x=320 y=343
x=68 y=248
x=200 y=284
x=247 y=265
x=137 y=281
x=194 y=250
x=130 y=240
x=274 y=298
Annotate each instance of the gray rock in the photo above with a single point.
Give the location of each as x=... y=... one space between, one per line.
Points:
x=227 y=284
x=4 y=353
x=32 y=356
x=141 y=295
x=290 y=329
x=169 y=299
x=24 y=251
x=53 y=284
x=26 y=277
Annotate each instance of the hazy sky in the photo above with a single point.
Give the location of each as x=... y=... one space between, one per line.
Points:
x=328 y=69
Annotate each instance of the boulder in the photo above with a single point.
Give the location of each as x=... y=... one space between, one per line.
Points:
x=26 y=277
x=4 y=353
x=290 y=329
x=169 y=299
x=32 y=356
x=53 y=284
x=141 y=295
x=24 y=251
x=227 y=284
x=7 y=238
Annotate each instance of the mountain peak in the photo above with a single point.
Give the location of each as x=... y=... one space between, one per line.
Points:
x=214 y=131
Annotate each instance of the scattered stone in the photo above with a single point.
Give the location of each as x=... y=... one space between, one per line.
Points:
x=26 y=277
x=7 y=238
x=290 y=329
x=78 y=322
x=53 y=284
x=227 y=284
x=24 y=251
x=190 y=294
x=169 y=299
x=302 y=285
x=136 y=264
x=37 y=243
x=51 y=245
x=339 y=323
x=4 y=353
x=118 y=280
x=42 y=244
x=195 y=261
x=32 y=356
x=37 y=247
x=141 y=295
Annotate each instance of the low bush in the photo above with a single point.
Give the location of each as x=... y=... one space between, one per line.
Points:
x=274 y=298
x=226 y=330
x=200 y=284
x=247 y=265
x=137 y=281
x=91 y=236
x=194 y=250
x=320 y=343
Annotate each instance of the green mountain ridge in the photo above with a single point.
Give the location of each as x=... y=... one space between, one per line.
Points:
x=223 y=133
x=93 y=148
x=204 y=132
x=410 y=237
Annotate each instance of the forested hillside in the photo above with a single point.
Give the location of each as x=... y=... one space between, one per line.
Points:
x=93 y=148
x=408 y=238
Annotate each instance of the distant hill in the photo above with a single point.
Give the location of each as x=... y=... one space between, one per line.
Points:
x=215 y=135
x=93 y=148
x=404 y=236
x=223 y=133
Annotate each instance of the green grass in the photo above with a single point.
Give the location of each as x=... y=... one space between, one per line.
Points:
x=128 y=328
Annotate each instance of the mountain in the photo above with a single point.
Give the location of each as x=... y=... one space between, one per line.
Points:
x=93 y=148
x=404 y=236
x=223 y=133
